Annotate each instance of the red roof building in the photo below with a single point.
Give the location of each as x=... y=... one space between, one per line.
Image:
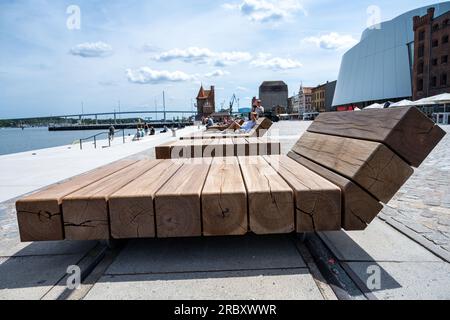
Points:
x=206 y=102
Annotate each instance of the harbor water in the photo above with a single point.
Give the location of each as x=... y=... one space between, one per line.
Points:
x=14 y=140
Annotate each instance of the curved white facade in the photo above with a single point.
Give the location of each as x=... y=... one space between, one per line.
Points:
x=378 y=67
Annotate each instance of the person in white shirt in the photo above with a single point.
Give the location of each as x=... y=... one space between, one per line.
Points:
x=259 y=109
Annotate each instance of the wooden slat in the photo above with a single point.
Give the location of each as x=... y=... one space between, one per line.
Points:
x=241 y=147
x=131 y=209
x=263 y=125
x=359 y=207
x=318 y=201
x=178 y=205
x=164 y=150
x=85 y=212
x=270 y=199
x=407 y=131
x=370 y=164
x=224 y=200
x=264 y=146
x=228 y=147
x=39 y=215
x=182 y=149
x=186 y=149
x=214 y=148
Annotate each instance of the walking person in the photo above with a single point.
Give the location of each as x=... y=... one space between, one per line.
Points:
x=111 y=133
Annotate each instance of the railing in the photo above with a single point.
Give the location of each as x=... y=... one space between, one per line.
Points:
x=100 y=134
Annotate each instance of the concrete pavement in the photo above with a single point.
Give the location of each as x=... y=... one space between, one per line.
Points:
x=28 y=171
x=210 y=268
x=251 y=267
x=406 y=269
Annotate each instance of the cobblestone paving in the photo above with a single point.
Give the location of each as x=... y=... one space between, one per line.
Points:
x=423 y=204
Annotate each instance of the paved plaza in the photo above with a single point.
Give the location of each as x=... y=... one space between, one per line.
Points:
x=408 y=243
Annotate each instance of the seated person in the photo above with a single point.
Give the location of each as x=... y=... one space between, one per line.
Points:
x=209 y=123
x=246 y=126
x=259 y=109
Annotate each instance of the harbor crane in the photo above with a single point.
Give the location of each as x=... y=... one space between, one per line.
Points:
x=234 y=99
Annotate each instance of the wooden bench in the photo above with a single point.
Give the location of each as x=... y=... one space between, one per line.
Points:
x=225 y=147
x=260 y=129
x=336 y=177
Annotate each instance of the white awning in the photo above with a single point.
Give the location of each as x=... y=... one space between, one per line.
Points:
x=439 y=99
x=403 y=103
x=375 y=106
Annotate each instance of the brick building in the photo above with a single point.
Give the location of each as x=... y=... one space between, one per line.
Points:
x=431 y=70
x=206 y=102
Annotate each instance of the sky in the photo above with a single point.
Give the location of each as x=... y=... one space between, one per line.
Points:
x=57 y=56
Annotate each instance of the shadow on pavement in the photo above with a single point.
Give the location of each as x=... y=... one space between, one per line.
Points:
x=370 y=276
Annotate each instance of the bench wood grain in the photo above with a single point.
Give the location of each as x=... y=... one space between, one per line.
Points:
x=131 y=209
x=224 y=199
x=359 y=208
x=270 y=198
x=40 y=216
x=85 y=212
x=317 y=200
x=407 y=131
x=370 y=164
x=178 y=202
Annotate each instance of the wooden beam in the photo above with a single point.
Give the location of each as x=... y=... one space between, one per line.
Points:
x=216 y=148
x=177 y=203
x=270 y=199
x=407 y=131
x=370 y=164
x=318 y=201
x=85 y=212
x=241 y=147
x=131 y=209
x=224 y=199
x=263 y=125
x=164 y=151
x=39 y=215
x=359 y=207
x=263 y=146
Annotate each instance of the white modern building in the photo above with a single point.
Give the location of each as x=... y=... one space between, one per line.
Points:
x=379 y=67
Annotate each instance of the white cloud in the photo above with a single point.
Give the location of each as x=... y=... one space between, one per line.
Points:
x=227 y=58
x=332 y=41
x=147 y=75
x=275 y=63
x=216 y=73
x=92 y=50
x=204 y=56
x=267 y=10
x=192 y=54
